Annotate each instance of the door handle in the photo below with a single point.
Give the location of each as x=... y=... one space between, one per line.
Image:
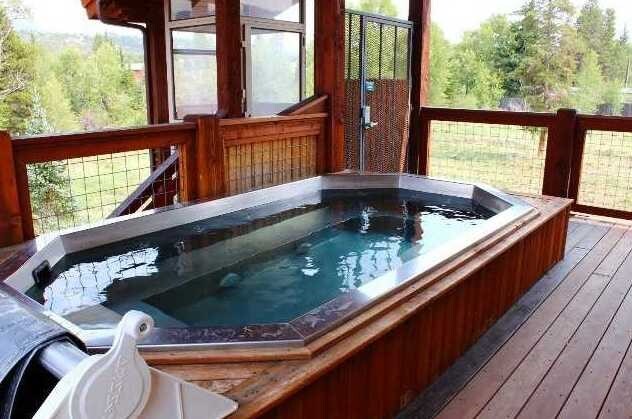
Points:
x=366 y=118
x=370 y=124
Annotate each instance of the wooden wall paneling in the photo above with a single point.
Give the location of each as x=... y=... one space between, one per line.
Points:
x=381 y=378
x=10 y=213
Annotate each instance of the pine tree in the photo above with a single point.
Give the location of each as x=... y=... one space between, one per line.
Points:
x=16 y=65
x=548 y=44
x=589 y=87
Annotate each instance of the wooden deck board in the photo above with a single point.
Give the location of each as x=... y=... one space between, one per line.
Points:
x=572 y=357
x=484 y=385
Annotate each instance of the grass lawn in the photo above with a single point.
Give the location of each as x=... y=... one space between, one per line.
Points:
x=512 y=158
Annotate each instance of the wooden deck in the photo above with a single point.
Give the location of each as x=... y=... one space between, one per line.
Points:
x=569 y=351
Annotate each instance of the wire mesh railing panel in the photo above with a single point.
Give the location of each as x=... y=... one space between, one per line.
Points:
x=385 y=143
x=75 y=192
x=606 y=175
x=504 y=156
x=260 y=165
x=352 y=91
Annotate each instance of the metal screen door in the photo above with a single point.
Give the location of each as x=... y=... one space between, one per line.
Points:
x=377 y=78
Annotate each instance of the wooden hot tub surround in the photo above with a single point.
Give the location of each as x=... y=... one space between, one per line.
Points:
x=376 y=363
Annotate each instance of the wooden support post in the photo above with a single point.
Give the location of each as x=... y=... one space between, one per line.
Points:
x=329 y=70
x=559 y=152
x=577 y=158
x=208 y=180
x=419 y=14
x=10 y=215
x=423 y=159
x=230 y=62
x=157 y=80
x=156 y=63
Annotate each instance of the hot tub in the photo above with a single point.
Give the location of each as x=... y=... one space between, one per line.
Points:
x=278 y=266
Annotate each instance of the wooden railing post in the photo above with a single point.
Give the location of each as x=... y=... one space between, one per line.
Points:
x=204 y=161
x=560 y=153
x=10 y=214
x=577 y=159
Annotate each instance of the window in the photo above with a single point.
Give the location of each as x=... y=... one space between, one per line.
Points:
x=276 y=70
x=189 y=9
x=288 y=10
x=277 y=52
x=194 y=71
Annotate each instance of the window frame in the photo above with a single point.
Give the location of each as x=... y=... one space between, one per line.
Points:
x=182 y=51
x=247 y=24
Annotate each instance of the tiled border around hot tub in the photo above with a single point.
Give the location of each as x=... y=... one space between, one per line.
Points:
x=310 y=325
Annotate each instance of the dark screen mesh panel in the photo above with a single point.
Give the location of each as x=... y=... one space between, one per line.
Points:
x=386 y=70
x=352 y=92
x=385 y=144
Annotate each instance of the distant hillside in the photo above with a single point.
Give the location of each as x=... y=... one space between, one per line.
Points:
x=131 y=45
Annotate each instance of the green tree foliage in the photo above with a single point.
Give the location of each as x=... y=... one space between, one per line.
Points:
x=381 y=7
x=549 y=46
x=45 y=91
x=589 y=86
x=22 y=113
x=16 y=75
x=100 y=86
x=547 y=55
x=440 y=58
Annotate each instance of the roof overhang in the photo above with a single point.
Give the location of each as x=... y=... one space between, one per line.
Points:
x=122 y=11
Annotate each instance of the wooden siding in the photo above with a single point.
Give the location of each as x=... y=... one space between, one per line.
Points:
x=263 y=152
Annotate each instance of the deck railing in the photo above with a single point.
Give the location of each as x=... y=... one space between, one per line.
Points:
x=110 y=173
x=582 y=157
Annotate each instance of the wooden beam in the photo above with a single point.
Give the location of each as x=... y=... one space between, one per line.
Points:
x=419 y=14
x=526 y=119
x=156 y=63
x=10 y=216
x=39 y=149
x=329 y=70
x=314 y=104
x=230 y=62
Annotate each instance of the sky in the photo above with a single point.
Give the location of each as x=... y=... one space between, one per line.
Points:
x=454 y=16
